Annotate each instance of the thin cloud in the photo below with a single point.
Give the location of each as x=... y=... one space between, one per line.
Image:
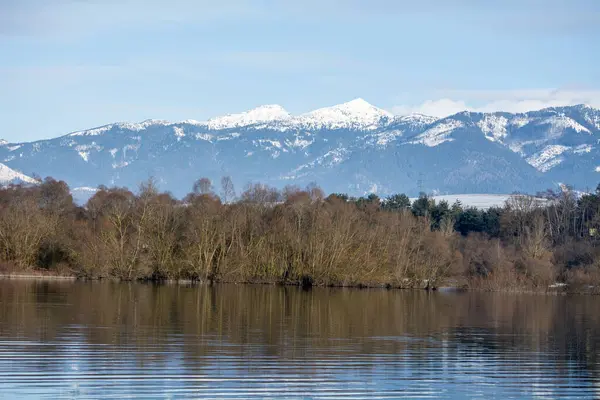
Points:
x=59 y=17
x=515 y=101
x=56 y=17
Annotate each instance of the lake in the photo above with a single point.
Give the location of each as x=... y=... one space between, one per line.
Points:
x=115 y=340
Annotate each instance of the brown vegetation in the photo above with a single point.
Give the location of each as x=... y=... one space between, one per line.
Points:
x=299 y=236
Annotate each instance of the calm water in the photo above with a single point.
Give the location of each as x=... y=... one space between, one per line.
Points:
x=105 y=340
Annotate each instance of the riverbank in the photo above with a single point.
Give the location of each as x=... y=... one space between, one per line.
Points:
x=449 y=286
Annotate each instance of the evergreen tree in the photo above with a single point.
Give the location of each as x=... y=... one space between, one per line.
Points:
x=470 y=220
x=420 y=207
x=491 y=221
x=396 y=202
x=438 y=213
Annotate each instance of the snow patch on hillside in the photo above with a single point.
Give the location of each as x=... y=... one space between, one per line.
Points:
x=204 y=136
x=127 y=150
x=548 y=157
x=329 y=159
x=178 y=131
x=8 y=175
x=520 y=121
x=300 y=142
x=84 y=154
x=273 y=146
x=382 y=139
x=559 y=123
x=84 y=150
x=121 y=164
x=583 y=149
x=593 y=118
x=417 y=119
x=438 y=134
x=228 y=136
x=494 y=127
x=269 y=144
x=386 y=137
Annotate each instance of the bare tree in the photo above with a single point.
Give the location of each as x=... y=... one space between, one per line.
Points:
x=203 y=186
x=227 y=190
x=536 y=237
x=315 y=192
x=260 y=194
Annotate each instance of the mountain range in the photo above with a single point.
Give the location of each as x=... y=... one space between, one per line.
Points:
x=355 y=148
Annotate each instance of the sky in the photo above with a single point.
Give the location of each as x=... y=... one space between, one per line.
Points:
x=68 y=65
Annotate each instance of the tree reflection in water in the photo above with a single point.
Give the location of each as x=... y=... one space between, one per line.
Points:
x=101 y=339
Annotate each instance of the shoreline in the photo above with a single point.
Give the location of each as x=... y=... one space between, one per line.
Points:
x=555 y=289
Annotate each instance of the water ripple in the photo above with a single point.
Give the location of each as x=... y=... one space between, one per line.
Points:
x=321 y=345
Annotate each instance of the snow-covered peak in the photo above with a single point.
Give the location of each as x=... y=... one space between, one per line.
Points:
x=3 y=142
x=8 y=175
x=259 y=115
x=355 y=114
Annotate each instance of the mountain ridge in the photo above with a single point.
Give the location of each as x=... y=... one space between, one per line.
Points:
x=412 y=116
x=352 y=147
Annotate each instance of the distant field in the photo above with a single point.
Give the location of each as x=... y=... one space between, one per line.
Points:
x=482 y=201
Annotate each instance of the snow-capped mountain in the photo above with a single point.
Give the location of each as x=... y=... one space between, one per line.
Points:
x=356 y=115
x=353 y=115
x=352 y=147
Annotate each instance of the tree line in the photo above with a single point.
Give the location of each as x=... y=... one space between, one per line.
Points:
x=300 y=236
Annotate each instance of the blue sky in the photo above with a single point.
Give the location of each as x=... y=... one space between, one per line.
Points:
x=67 y=65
